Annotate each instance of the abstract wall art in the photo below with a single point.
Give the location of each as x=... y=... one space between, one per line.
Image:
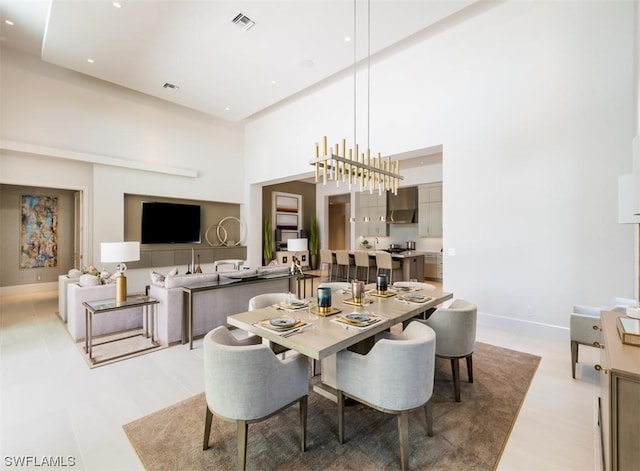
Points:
x=39 y=231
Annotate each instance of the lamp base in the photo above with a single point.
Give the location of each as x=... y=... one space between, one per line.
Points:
x=121 y=288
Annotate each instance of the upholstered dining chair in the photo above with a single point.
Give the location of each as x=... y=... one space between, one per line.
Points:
x=455 y=328
x=264 y=300
x=363 y=262
x=395 y=377
x=384 y=261
x=245 y=382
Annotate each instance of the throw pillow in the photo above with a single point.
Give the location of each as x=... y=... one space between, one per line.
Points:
x=157 y=279
x=89 y=280
x=173 y=272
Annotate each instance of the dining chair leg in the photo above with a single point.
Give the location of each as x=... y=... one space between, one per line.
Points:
x=574 y=358
x=243 y=428
x=470 y=368
x=403 y=434
x=455 y=368
x=340 y=417
x=303 y=423
x=428 y=414
x=207 y=429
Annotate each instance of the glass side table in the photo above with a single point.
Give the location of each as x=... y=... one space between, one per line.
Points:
x=105 y=306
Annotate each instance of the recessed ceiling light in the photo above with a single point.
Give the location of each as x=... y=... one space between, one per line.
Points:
x=90 y=61
x=306 y=63
x=273 y=82
x=347 y=39
x=226 y=108
x=9 y=22
x=117 y=4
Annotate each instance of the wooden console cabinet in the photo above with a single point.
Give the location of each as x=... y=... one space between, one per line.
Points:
x=619 y=404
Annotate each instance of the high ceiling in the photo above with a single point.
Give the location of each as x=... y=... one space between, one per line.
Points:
x=218 y=67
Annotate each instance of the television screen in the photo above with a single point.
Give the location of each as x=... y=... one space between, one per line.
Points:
x=170 y=223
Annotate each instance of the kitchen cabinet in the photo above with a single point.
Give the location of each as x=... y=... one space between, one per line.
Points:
x=430 y=210
x=618 y=415
x=371 y=210
x=433 y=266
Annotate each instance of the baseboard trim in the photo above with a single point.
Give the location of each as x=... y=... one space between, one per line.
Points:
x=537 y=329
x=30 y=288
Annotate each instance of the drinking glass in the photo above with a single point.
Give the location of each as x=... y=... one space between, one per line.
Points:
x=414 y=284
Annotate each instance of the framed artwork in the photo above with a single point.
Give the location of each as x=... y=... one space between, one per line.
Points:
x=287 y=204
x=287 y=221
x=38 y=231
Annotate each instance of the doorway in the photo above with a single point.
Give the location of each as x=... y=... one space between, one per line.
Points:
x=339 y=228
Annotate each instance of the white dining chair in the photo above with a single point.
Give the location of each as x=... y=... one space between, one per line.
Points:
x=245 y=383
x=455 y=328
x=344 y=263
x=395 y=377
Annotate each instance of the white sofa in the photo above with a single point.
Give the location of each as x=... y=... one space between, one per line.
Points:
x=212 y=306
x=106 y=323
x=63 y=281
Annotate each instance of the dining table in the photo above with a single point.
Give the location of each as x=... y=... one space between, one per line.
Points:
x=321 y=336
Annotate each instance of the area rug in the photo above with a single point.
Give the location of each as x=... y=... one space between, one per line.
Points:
x=108 y=349
x=468 y=435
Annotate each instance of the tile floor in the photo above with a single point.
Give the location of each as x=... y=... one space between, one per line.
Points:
x=53 y=405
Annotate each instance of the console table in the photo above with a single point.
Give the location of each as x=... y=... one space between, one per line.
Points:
x=618 y=414
x=105 y=306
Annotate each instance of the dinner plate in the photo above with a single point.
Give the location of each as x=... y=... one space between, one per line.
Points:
x=283 y=321
x=415 y=298
x=358 y=317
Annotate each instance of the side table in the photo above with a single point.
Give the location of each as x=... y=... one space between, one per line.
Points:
x=110 y=305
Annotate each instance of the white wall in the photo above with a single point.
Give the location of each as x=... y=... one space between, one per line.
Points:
x=533 y=104
x=46 y=107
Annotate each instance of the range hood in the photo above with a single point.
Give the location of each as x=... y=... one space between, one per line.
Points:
x=403 y=207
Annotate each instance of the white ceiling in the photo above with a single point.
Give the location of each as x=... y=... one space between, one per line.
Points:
x=220 y=69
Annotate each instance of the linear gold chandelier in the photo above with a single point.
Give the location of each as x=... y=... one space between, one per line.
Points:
x=372 y=173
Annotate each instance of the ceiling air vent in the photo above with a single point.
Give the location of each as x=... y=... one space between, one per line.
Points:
x=170 y=86
x=244 y=21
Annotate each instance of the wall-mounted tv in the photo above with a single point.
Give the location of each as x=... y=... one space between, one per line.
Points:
x=170 y=223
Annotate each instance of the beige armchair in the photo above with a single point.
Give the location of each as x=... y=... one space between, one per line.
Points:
x=238 y=375
x=455 y=328
x=395 y=377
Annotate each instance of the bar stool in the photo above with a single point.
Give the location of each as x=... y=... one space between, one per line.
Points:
x=385 y=262
x=362 y=260
x=345 y=261
x=327 y=258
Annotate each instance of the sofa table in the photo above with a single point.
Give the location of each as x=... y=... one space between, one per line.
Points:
x=106 y=306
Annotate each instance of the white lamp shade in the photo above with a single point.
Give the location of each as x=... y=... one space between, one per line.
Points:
x=117 y=252
x=297 y=245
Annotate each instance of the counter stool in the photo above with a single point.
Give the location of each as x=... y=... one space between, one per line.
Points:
x=327 y=258
x=385 y=262
x=362 y=260
x=345 y=262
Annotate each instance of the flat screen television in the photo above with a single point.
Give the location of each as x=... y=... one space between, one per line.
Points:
x=170 y=223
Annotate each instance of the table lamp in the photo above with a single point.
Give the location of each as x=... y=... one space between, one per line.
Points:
x=120 y=252
x=297 y=245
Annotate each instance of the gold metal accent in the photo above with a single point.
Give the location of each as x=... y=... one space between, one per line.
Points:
x=600 y=368
x=597 y=327
x=324 y=309
x=121 y=288
x=368 y=172
x=598 y=344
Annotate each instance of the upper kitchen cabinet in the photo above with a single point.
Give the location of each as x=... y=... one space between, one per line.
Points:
x=430 y=210
x=371 y=210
